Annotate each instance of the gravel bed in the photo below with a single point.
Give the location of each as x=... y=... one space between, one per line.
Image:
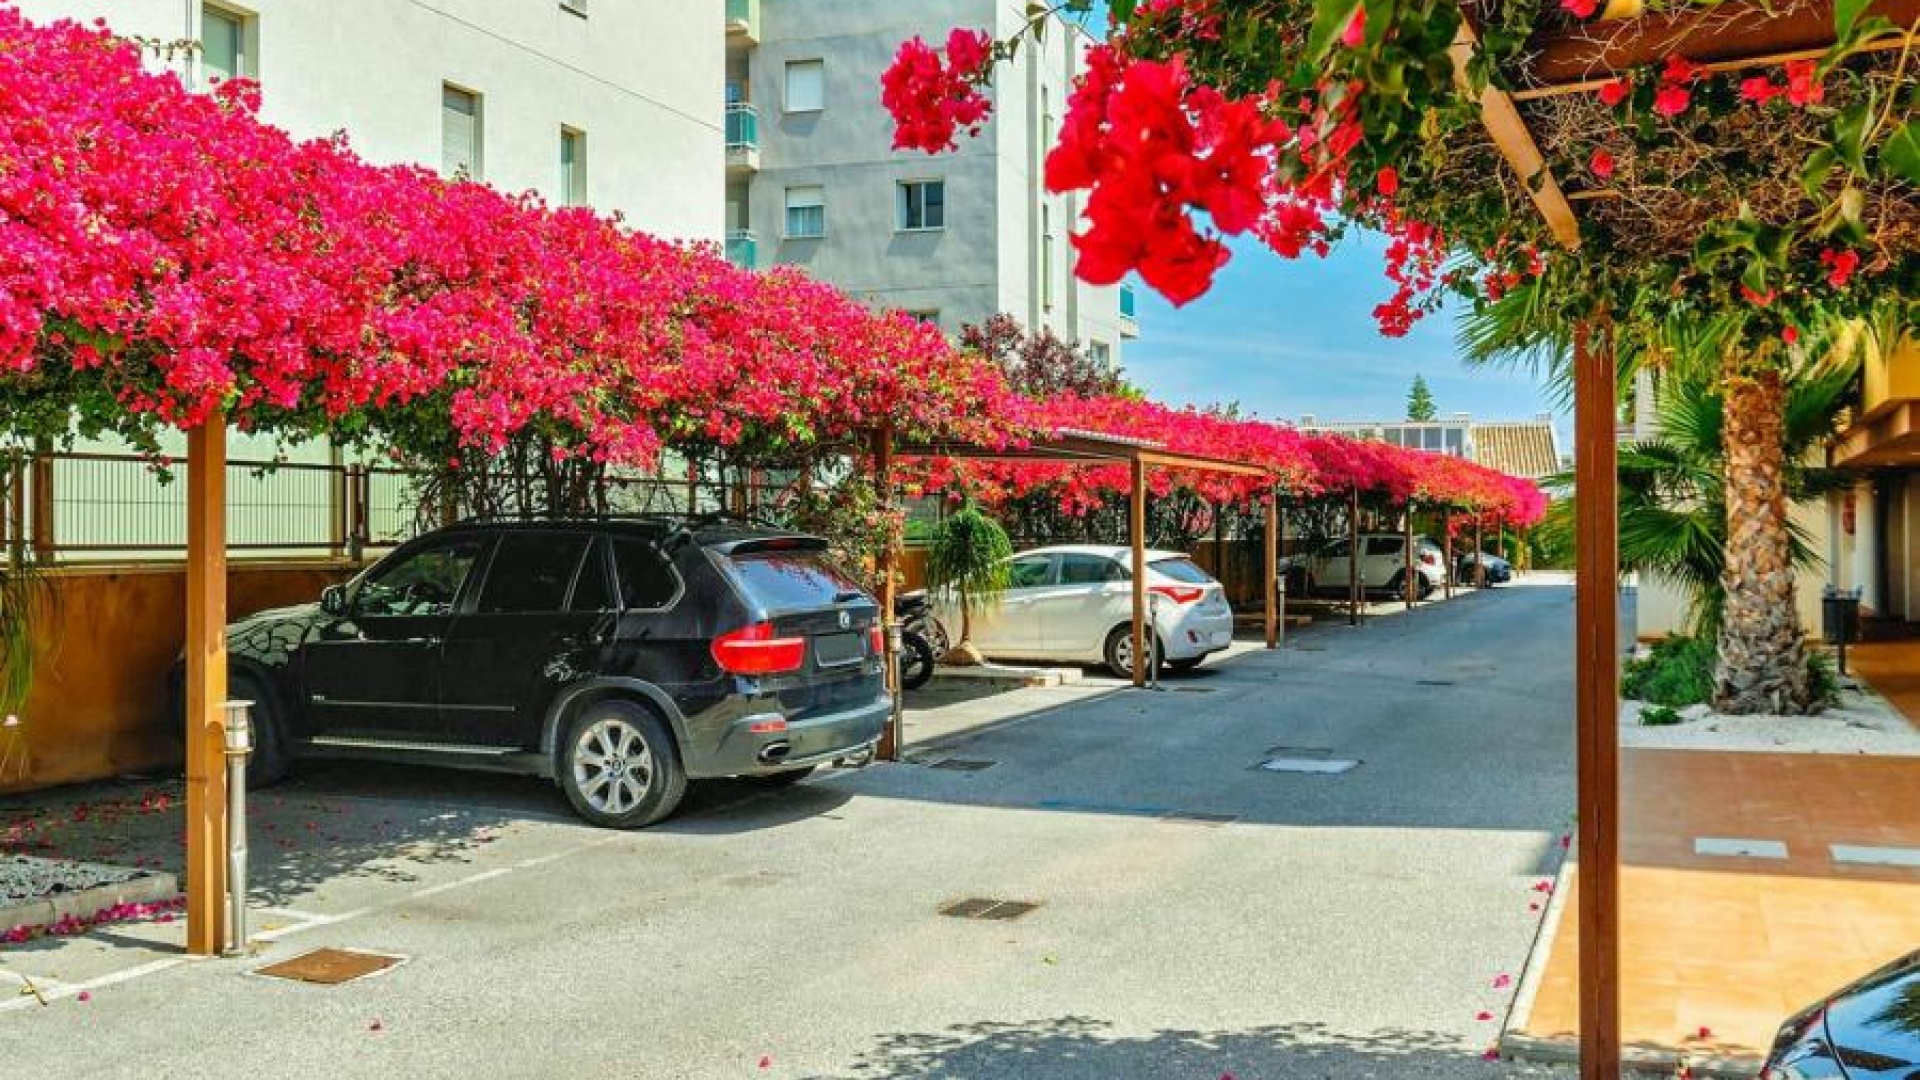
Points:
x=26 y=878
x=1863 y=723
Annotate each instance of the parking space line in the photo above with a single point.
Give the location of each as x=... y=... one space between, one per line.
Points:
x=1860 y=855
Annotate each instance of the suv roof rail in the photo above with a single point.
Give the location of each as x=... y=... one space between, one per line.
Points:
x=704 y=519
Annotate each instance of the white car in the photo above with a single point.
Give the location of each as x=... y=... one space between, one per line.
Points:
x=1075 y=603
x=1383 y=565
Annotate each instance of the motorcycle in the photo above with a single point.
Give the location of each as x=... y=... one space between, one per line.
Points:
x=922 y=639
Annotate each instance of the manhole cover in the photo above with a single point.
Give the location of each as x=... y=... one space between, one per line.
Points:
x=963 y=764
x=980 y=907
x=1188 y=817
x=329 y=967
x=1322 y=766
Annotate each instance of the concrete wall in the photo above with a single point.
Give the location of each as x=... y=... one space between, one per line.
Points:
x=105 y=639
x=642 y=79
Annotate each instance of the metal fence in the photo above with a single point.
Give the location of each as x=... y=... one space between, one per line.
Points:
x=101 y=507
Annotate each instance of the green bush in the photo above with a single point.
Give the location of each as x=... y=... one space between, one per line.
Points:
x=1659 y=716
x=1824 y=678
x=1677 y=673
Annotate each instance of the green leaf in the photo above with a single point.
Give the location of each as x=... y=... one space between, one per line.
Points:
x=1330 y=19
x=1901 y=154
x=1850 y=133
x=1122 y=10
x=1845 y=14
x=1820 y=163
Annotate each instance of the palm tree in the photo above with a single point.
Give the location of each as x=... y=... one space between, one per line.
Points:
x=1673 y=518
x=1761 y=650
x=968 y=554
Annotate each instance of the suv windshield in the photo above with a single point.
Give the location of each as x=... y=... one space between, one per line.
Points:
x=785 y=580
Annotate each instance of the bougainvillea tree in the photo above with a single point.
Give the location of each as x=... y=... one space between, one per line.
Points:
x=1773 y=196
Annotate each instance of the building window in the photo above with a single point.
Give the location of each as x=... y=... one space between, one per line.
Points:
x=806 y=213
x=921 y=205
x=806 y=85
x=224 y=53
x=573 y=167
x=460 y=132
x=931 y=317
x=1100 y=353
x=1046 y=256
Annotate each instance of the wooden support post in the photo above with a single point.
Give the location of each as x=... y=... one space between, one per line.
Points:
x=888 y=564
x=1406 y=552
x=1272 y=568
x=41 y=486
x=16 y=515
x=206 y=689
x=1356 y=588
x=1280 y=545
x=1597 y=674
x=1479 y=551
x=1137 y=530
x=1446 y=542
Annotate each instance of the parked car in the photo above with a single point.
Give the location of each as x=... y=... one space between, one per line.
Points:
x=1383 y=566
x=1499 y=570
x=620 y=658
x=1075 y=603
x=1868 y=1031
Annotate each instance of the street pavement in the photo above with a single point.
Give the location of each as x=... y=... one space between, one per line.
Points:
x=1197 y=915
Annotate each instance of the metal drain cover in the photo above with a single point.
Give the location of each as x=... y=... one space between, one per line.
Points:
x=1189 y=817
x=330 y=967
x=1321 y=766
x=980 y=907
x=963 y=764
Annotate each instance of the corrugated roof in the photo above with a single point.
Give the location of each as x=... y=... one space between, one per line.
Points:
x=1525 y=448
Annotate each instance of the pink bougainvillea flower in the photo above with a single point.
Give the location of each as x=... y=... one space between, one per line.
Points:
x=1601 y=164
x=1789 y=334
x=1483 y=1015
x=1533 y=907
x=83 y=996
x=376 y=1026
x=1679 y=70
x=766 y=1061
x=1759 y=89
x=1388 y=181
x=1758 y=299
x=1502 y=981
x=1580 y=9
x=1492 y=1053
x=931 y=98
x=1704 y=1032
x=1615 y=92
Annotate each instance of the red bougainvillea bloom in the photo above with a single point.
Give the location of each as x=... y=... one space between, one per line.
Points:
x=1388 y=181
x=1789 y=334
x=1840 y=266
x=1803 y=83
x=1758 y=299
x=1580 y=9
x=1759 y=89
x=931 y=99
x=1355 y=34
x=1679 y=70
x=1671 y=101
x=1615 y=92
x=1601 y=164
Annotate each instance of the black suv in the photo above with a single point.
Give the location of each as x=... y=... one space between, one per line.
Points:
x=618 y=657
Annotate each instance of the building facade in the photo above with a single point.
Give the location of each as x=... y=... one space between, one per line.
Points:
x=813 y=180
x=616 y=105
x=1525 y=448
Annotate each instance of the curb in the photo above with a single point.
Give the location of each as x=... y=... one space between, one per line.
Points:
x=147 y=888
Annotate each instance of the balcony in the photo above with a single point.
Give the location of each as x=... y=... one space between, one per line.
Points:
x=1885 y=429
x=743 y=139
x=742 y=249
x=1128 y=327
x=743 y=22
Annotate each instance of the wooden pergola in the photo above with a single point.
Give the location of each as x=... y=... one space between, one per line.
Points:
x=1729 y=36
x=1086 y=448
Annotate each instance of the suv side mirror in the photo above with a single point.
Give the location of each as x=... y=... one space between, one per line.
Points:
x=333 y=600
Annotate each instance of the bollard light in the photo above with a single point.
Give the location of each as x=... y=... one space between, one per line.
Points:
x=239 y=727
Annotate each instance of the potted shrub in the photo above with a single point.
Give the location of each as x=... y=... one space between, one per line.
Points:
x=968 y=556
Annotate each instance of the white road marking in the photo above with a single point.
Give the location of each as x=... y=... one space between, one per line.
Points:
x=1876 y=856
x=1324 y=766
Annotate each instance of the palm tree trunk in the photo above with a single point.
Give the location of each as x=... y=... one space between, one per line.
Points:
x=1763 y=664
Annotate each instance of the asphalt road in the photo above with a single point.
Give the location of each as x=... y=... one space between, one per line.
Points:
x=1197 y=916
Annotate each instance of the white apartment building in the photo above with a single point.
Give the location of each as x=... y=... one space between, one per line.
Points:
x=614 y=104
x=1527 y=448
x=813 y=180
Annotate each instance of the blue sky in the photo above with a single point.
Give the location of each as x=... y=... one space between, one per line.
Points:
x=1287 y=338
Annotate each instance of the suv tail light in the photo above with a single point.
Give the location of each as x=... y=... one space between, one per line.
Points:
x=877 y=639
x=1430 y=558
x=753 y=650
x=1177 y=593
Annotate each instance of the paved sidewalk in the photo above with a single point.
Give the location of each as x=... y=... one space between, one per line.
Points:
x=1717 y=949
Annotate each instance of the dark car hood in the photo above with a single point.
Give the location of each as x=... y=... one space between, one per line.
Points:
x=269 y=637
x=304 y=613
x=1874 y=1025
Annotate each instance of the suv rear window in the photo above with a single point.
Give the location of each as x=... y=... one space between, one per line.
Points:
x=1183 y=570
x=785 y=580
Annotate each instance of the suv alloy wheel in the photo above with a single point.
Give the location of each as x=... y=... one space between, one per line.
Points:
x=619 y=766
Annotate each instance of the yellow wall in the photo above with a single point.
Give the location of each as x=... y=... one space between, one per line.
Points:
x=1886 y=381
x=105 y=639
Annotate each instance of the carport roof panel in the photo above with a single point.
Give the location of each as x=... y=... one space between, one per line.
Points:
x=1071 y=445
